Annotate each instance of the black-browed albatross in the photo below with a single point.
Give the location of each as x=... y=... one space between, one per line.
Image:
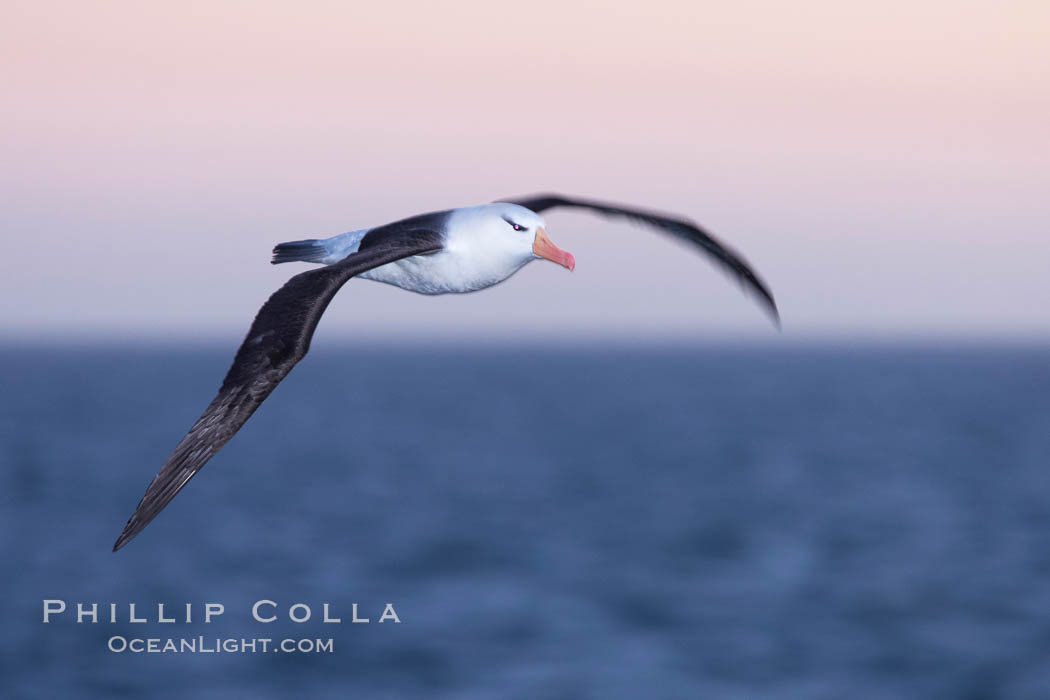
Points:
x=453 y=251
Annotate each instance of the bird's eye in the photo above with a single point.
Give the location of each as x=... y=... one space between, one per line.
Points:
x=516 y=227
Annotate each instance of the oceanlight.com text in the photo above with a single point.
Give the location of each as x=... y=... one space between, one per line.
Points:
x=218 y=645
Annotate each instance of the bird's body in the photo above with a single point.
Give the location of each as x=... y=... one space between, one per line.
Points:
x=473 y=256
x=454 y=251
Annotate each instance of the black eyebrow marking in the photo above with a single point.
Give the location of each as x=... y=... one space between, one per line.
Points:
x=511 y=222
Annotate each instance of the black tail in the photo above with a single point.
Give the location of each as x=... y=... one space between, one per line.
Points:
x=311 y=250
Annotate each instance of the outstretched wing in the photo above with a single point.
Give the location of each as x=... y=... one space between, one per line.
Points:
x=680 y=228
x=279 y=337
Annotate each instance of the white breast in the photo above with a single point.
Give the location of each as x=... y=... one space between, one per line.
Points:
x=476 y=255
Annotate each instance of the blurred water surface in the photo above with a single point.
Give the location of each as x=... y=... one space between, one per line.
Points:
x=727 y=522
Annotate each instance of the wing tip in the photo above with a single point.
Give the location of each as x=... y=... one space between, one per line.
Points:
x=753 y=283
x=131 y=529
x=121 y=541
x=774 y=317
x=770 y=304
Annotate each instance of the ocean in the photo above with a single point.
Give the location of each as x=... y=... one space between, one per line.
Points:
x=823 y=521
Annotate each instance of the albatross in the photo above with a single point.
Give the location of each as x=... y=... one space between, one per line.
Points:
x=447 y=252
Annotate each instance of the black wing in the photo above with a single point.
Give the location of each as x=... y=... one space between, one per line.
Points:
x=278 y=339
x=680 y=228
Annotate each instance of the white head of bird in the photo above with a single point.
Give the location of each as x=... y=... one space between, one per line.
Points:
x=506 y=236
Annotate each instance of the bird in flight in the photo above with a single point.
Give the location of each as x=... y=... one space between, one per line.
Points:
x=454 y=251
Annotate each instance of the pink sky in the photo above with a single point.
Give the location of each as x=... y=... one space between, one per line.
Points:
x=886 y=168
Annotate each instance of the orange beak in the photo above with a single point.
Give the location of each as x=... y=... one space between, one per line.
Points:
x=544 y=248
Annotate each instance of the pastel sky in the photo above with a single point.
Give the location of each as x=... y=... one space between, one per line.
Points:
x=885 y=166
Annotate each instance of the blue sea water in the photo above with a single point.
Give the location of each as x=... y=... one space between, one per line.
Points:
x=624 y=522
